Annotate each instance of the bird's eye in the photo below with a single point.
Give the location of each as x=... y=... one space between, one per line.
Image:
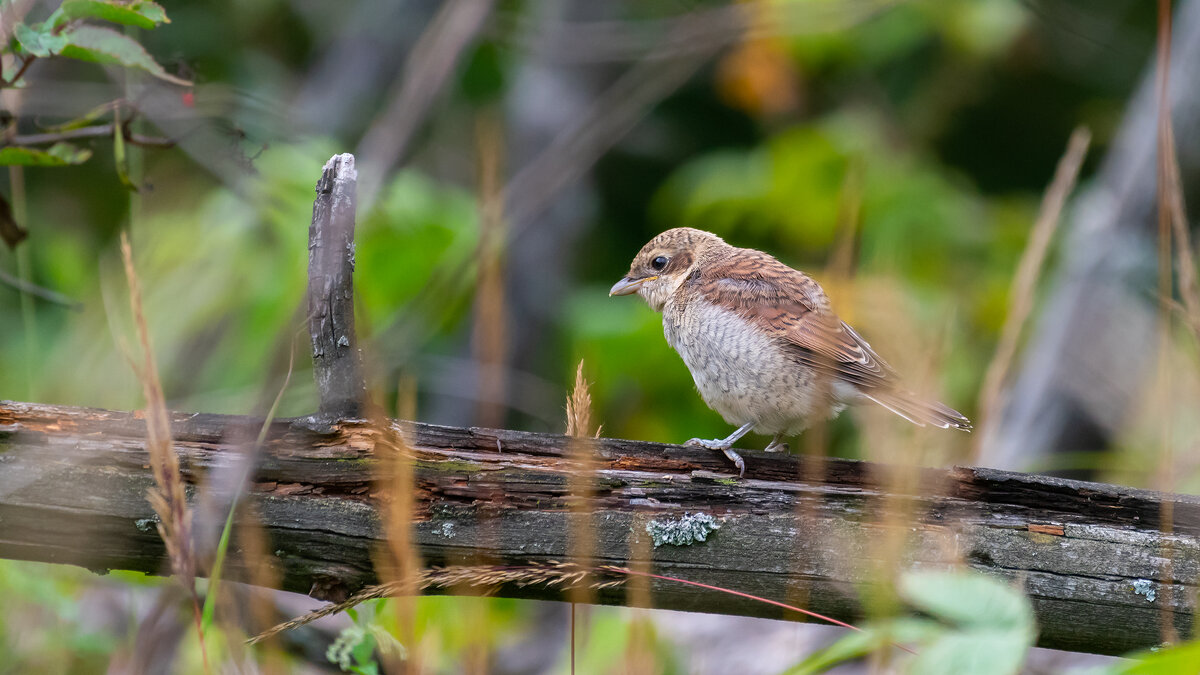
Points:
x=659 y=262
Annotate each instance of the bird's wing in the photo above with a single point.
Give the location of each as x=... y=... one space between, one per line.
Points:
x=791 y=305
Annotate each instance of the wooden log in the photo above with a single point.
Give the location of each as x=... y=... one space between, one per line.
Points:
x=1092 y=557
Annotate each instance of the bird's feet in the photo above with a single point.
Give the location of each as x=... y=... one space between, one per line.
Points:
x=723 y=446
x=776 y=445
x=716 y=444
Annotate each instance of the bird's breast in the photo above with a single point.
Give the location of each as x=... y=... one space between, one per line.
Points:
x=741 y=371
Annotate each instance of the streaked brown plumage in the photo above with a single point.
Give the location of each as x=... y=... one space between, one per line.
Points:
x=761 y=340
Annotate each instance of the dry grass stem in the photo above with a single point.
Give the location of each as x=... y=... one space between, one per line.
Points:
x=489 y=341
x=167 y=496
x=400 y=538
x=639 y=655
x=579 y=408
x=581 y=545
x=431 y=63
x=839 y=271
x=479 y=577
x=1189 y=286
x=1169 y=195
x=1024 y=284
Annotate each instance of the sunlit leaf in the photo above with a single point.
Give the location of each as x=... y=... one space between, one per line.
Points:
x=857 y=644
x=59 y=154
x=120 y=160
x=976 y=651
x=991 y=624
x=141 y=14
x=967 y=599
x=38 y=42
x=1184 y=658
x=105 y=45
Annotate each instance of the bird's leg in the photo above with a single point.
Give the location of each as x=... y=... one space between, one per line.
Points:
x=776 y=445
x=724 y=445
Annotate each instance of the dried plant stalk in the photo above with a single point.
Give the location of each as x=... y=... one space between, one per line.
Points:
x=581 y=483
x=167 y=497
x=489 y=339
x=478 y=577
x=400 y=482
x=1169 y=196
x=579 y=408
x=1024 y=284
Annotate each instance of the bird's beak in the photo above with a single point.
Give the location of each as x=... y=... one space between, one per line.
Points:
x=627 y=286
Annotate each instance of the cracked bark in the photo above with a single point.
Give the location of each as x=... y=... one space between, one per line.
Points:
x=73 y=484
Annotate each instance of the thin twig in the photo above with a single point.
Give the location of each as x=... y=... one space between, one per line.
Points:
x=24 y=67
x=1029 y=268
x=614 y=114
x=97 y=131
x=39 y=292
x=429 y=65
x=1184 y=258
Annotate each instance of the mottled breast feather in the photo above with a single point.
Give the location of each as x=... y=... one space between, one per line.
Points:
x=790 y=305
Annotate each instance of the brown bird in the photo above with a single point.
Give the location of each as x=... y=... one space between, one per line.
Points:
x=762 y=342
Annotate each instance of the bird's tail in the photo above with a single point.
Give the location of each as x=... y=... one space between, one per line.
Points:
x=912 y=408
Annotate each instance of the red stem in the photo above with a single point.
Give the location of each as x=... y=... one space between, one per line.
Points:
x=748 y=596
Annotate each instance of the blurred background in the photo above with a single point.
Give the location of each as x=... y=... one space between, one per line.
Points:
x=513 y=156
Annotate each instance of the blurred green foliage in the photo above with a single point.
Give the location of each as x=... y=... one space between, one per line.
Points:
x=976 y=625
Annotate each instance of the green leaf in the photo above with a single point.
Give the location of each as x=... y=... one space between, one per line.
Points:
x=119 y=158
x=1184 y=658
x=995 y=623
x=857 y=644
x=105 y=45
x=967 y=599
x=989 y=651
x=38 y=42
x=59 y=154
x=141 y=14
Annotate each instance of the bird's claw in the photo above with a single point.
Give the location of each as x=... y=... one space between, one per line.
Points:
x=776 y=447
x=737 y=461
x=723 y=447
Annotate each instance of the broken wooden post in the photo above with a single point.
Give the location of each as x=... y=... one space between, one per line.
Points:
x=337 y=360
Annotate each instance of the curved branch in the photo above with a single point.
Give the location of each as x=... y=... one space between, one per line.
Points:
x=97 y=131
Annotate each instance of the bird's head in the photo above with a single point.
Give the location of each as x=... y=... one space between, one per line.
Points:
x=664 y=263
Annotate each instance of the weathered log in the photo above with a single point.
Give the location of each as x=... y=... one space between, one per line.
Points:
x=1091 y=556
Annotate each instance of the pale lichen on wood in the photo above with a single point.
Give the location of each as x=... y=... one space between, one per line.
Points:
x=686 y=530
